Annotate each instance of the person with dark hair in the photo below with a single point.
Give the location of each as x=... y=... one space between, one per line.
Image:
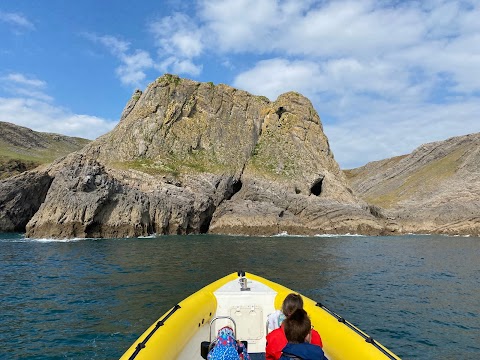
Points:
x=276 y=340
x=290 y=304
x=298 y=332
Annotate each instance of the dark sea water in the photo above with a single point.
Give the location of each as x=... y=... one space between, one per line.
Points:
x=90 y=299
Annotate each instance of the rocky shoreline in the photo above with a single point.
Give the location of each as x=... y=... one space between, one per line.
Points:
x=190 y=157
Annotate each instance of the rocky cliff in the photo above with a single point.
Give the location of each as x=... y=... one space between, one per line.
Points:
x=191 y=157
x=435 y=189
x=23 y=149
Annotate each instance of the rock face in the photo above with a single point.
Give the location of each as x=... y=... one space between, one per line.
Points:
x=21 y=197
x=23 y=149
x=190 y=157
x=435 y=189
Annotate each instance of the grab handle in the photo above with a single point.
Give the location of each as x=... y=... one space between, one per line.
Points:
x=223 y=317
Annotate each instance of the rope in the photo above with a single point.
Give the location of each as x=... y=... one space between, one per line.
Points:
x=160 y=323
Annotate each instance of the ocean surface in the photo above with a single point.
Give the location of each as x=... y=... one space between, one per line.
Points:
x=91 y=298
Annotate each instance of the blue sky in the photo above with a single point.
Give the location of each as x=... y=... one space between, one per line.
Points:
x=384 y=76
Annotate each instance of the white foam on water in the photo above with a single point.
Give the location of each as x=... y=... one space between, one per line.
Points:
x=152 y=236
x=284 y=233
x=339 y=235
x=48 y=240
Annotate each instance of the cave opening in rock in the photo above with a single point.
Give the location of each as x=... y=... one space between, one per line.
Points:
x=234 y=188
x=205 y=225
x=316 y=188
x=280 y=111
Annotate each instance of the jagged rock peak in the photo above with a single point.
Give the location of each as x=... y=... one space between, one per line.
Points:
x=131 y=104
x=177 y=121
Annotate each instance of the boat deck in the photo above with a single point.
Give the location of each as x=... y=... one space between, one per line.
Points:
x=248 y=309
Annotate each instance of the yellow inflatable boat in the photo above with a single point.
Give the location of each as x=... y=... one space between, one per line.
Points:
x=244 y=301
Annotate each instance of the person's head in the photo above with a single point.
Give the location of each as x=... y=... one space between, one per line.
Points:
x=291 y=303
x=225 y=333
x=297 y=327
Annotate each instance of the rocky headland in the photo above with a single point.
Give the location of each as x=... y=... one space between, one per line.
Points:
x=190 y=157
x=435 y=189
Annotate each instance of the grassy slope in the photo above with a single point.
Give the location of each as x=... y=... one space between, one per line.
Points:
x=22 y=149
x=417 y=181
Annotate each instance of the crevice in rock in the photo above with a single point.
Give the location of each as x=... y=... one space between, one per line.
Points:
x=207 y=219
x=316 y=188
x=376 y=211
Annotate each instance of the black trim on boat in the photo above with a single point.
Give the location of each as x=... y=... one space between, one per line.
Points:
x=160 y=323
x=367 y=338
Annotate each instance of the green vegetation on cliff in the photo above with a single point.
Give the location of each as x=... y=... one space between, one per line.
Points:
x=193 y=163
x=426 y=178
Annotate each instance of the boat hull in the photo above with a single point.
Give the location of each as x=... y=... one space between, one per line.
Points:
x=179 y=332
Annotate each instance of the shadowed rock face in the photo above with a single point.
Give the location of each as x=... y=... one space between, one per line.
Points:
x=190 y=157
x=21 y=197
x=435 y=189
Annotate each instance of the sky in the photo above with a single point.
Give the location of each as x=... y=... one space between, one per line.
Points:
x=385 y=76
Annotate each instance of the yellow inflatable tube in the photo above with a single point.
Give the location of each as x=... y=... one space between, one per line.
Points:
x=178 y=325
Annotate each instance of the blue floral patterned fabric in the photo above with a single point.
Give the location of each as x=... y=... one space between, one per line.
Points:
x=227 y=348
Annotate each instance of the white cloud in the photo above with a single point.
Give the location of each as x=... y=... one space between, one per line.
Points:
x=18 y=21
x=116 y=46
x=19 y=84
x=177 y=34
x=33 y=108
x=308 y=28
x=177 y=66
x=276 y=76
x=133 y=65
x=179 y=41
x=45 y=117
x=383 y=78
x=392 y=130
x=241 y=25
x=338 y=77
x=23 y=80
x=132 y=71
